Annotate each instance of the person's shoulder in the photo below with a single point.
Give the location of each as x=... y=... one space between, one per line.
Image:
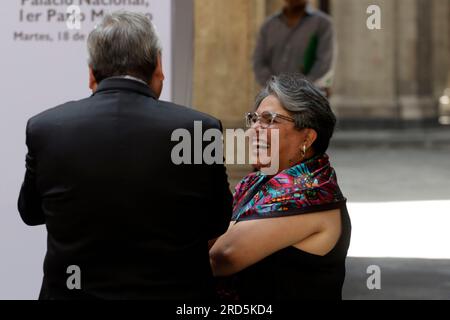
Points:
x=245 y=183
x=323 y=17
x=271 y=20
x=189 y=115
x=49 y=116
x=273 y=17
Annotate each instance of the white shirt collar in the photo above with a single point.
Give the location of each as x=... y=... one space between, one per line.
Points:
x=129 y=78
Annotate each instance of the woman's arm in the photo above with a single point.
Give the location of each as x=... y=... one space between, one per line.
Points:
x=213 y=241
x=248 y=242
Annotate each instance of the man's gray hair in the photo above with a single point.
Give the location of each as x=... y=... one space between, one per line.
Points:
x=124 y=43
x=309 y=107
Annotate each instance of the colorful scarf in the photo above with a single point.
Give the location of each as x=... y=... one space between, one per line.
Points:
x=308 y=187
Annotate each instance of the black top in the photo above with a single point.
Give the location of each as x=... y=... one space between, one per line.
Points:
x=292 y=274
x=100 y=176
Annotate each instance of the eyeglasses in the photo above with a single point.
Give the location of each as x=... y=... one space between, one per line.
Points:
x=266 y=119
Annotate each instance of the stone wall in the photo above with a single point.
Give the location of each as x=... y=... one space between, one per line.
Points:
x=396 y=73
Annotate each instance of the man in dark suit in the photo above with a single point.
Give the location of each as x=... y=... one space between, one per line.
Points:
x=123 y=221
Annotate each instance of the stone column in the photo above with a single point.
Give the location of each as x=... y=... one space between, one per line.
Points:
x=365 y=79
x=414 y=60
x=225 y=35
x=441 y=45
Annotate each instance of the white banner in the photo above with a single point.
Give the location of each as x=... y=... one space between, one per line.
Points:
x=43 y=64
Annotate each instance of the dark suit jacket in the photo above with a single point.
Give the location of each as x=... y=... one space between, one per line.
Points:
x=100 y=176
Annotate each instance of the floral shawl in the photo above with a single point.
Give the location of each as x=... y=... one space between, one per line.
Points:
x=307 y=187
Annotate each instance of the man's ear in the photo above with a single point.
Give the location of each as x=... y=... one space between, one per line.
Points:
x=156 y=82
x=159 y=73
x=92 y=81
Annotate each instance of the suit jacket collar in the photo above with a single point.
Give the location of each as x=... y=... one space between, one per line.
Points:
x=121 y=84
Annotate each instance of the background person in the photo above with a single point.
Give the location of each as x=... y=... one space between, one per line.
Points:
x=299 y=39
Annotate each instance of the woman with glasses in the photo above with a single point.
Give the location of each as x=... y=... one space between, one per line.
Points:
x=290 y=231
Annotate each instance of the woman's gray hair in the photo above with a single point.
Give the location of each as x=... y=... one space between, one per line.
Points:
x=308 y=106
x=124 y=43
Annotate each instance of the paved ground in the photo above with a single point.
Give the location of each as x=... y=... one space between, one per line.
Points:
x=371 y=174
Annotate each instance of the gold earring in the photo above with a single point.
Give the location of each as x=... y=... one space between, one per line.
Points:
x=303 y=151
